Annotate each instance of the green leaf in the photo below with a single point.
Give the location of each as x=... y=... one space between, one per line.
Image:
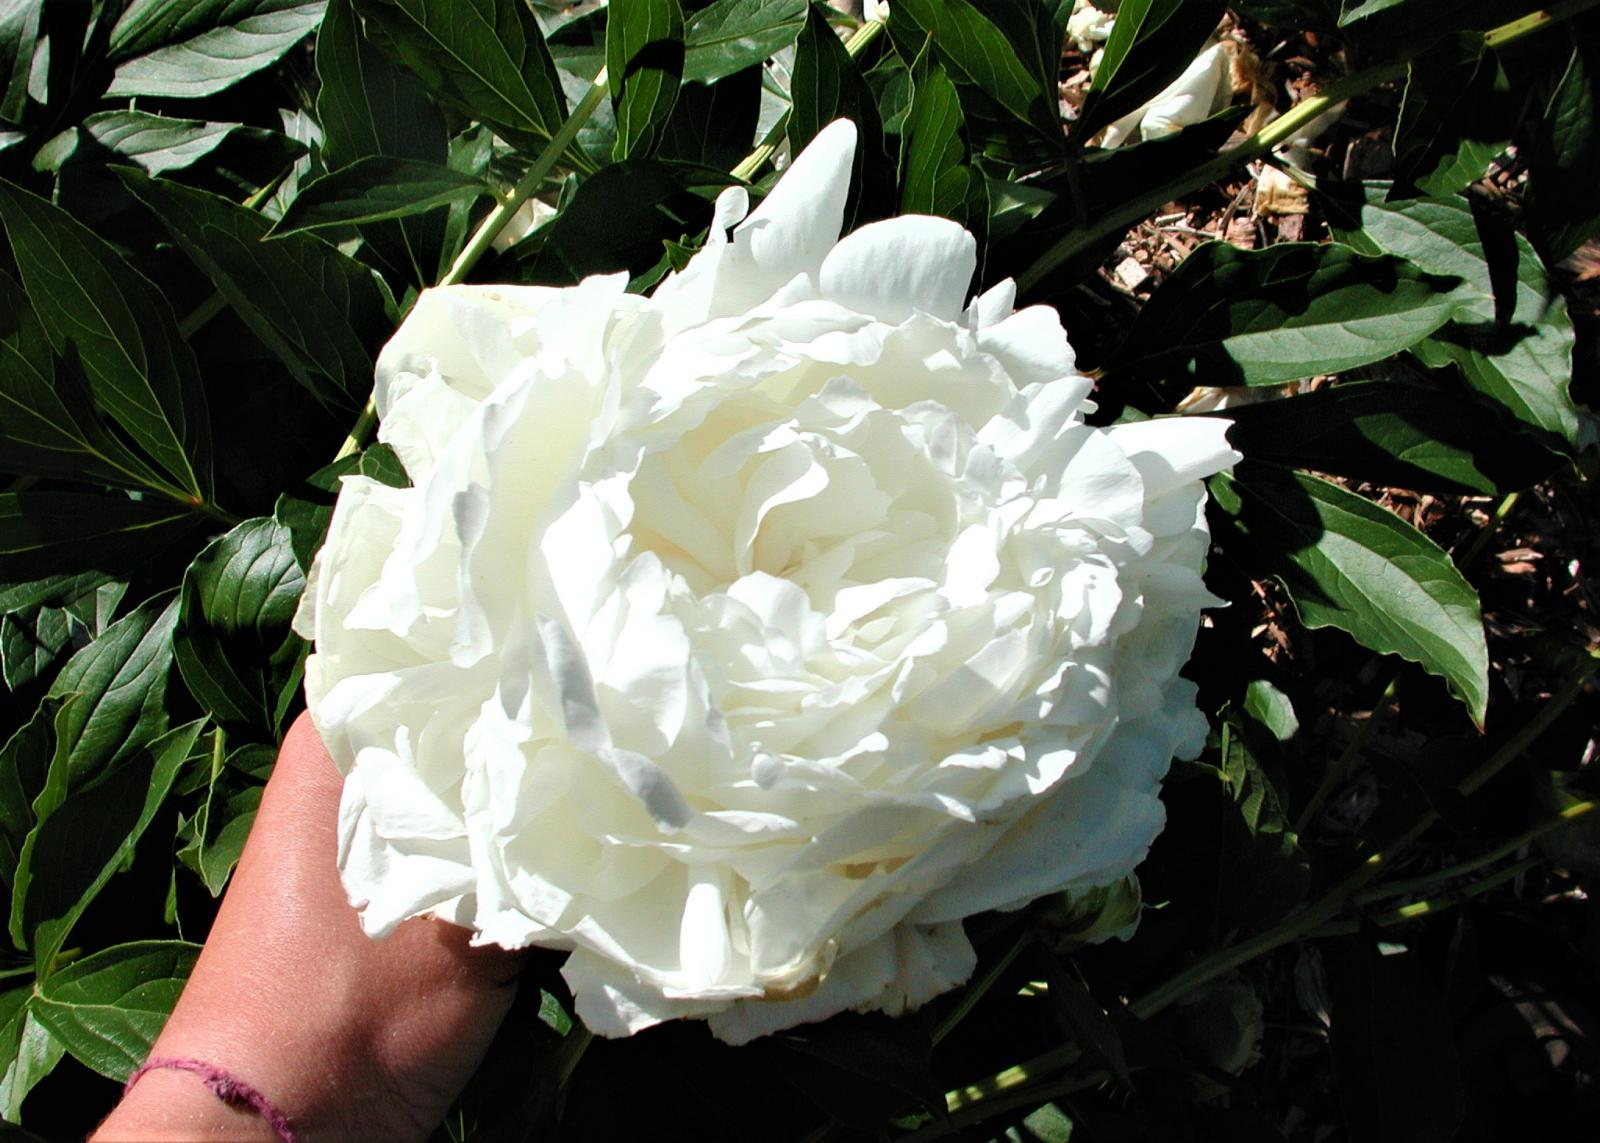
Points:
x=47 y=532
x=714 y=124
x=1150 y=45
x=97 y=309
x=320 y=312
x=936 y=172
x=1515 y=349
x=25 y=763
x=1455 y=117
x=370 y=106
x=48 y=416
x=1084 y=1019
x=74 y=849
x=109 y=1007
x=367 y=105
x=156 y=143
x=374 y=188
x=619 y=218
x=19 y=36
x=825 y=84
x=121 y=681
x=192 y=48
x=1228 y=316
x=1353 y=10
x=644 y=60
x=1564 y=157
x=232 y=643
x=28 y=1052
x=1006 y=48
x=1272 y=709
x=1263 y=871
x=731 y=35
x=215 y=836
x=1394 y=434
x=32 y=639
x=487 y=58
x=1349 y=564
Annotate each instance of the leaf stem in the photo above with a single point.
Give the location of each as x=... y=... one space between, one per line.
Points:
x=1279 y=131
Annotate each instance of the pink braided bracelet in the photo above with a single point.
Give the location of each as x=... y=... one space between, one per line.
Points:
x=233 y=1092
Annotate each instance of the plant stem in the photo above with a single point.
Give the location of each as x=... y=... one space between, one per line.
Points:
x=1444 y=876
x=1430 y=906
x=977 y=991
x=1328 y=906
x=1279 y=131
x=491 y=226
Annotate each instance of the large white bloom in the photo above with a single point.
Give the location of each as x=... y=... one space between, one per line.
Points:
x=745 y=638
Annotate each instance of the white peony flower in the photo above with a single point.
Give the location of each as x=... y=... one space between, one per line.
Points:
x=745 y=638
x=1204 y=88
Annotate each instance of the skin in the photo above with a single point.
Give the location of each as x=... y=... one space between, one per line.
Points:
x=351 y=1038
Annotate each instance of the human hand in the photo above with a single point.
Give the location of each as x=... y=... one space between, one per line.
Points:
x=349 y=1037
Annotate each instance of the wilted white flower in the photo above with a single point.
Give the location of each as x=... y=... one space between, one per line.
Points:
x=1201 y=91
x=745 y=638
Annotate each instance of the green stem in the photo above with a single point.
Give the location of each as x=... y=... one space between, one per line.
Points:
x=1279 y=131
x=1433 y=881
x=1429 y=907
x=491 y=226
x=1328 y=906
x=976 y=992
x=1481 y=540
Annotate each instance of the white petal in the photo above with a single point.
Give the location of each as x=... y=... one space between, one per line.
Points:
x=900 y=266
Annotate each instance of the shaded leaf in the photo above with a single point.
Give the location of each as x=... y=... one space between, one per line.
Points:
x=369 y=105
x=375 y=188
x=731 y=35
x=825 y=84
x=487 y=58
x=1263 y=871
x=43 y=533
x=1264 y=317
x=1455 y=117
x=31 y=640
x=1006 y=48
x=714 y=124
x=232 y=643
x=644 y=60
x=619 y=218
x=319 y=311
x=109 y=1007
x=1349 y=564
x=1395 y=434
x=48 y=416
x=1564 y=157
x=77 y=846
x=198 y=48
x=936 y=173
x=117 y=326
